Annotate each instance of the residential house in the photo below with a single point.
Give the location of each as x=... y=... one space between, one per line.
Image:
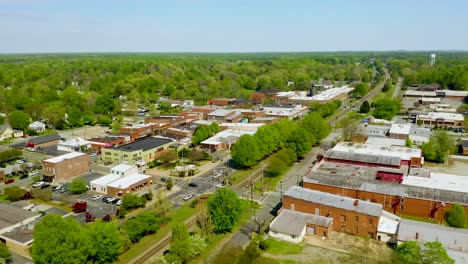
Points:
x=37 y=126
x=7 y=132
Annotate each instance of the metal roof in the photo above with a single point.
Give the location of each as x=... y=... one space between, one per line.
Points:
x=367 y=158
x=334 y=200
x=293 y=222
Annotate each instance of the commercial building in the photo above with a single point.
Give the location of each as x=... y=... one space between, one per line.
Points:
x=400 y=131
x=173 y=121
x=352 y=216
x=224 y=139
x=138 y=152
x=111 y=141
x=221 y=101
x=11 y=218
x=374 y=155
x=73 y=144
x=386 y=141
x=428 y=101
x=285 y=111
x=124 y=179
x=44 y=141
x=420 y=94
x=332 y=94
x=65 y=167
x=441 y=119
x=225 y=116
x=139 y=131
x=241 y=126
x=452 y=94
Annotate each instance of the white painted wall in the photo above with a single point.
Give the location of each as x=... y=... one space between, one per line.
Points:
x=288 y=238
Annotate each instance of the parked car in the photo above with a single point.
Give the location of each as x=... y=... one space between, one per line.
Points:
x=9 y=181
x=110 y=199
x=45 y=185
x=116 y=201
x=24 y=176
x=64 y=189
x=38 y=184
x=192 y=184
x=33 y=173
x=119 y=202
x=104 y=199
x=96 y=197
x=217 y=174
x=163 y=179
x=20 y=161
x=187 y=197
x=219 y=185
x=40 y=148
x=56 y=188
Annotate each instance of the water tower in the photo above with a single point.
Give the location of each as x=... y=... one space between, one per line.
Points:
x=432 y=59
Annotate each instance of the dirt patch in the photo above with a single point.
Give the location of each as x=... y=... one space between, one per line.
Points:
x=457 y=167
x=339 y=248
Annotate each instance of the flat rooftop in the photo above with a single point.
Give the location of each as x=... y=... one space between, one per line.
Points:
x=326 y=95
x=221 y=112
x=363 y=178
x=400 y=129
x=11 y=215
x=226 y=136
x=61 y=158
x=334 y=200
x=442 y=115
x=388 y=223
x=420 y=93
x=441 y=181
x=370 y=149
x=386 y=141
x=283 y=111
x=293 y=222
x=145 y=144
x=128 y=181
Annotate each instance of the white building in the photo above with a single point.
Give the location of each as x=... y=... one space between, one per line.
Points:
x=121 y=178
x=224 y=139
x=37 y=126
x=73 y=144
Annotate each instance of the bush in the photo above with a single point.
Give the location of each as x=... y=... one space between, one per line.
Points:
x=78 y=186
x=14 y=193
x=456 y=216
x=169 y=184
x=133 y=201
x=143 y=224
x=4 y=253
x=42 y=194
x=79 y=207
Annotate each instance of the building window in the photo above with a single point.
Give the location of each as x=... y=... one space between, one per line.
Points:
x=370 y=221
x=356 y=218
x=343 y=218
x=293 y=207
x=401 y=207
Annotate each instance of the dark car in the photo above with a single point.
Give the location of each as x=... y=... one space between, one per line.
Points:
x=163 y=179
x=45 y=185
x=24 y=176
x=104 y=199
x=192 y=184
x=40 y=148
x=116 y=201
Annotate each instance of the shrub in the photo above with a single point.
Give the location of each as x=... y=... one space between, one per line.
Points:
x=14 y=193
x=79 y=207
x=169 y=185
x=456 y=216
x=133 y=201
x=78 y=186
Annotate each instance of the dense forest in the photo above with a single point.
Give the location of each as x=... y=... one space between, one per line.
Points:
x=88 y=86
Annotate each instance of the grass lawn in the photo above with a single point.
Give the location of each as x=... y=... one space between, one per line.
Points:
x=3 y=199
x=420 y=219
x=383 y=95
x=179 y=216
x=6 y=141
x=55 y=204
x=240 y=175
x=282 y=247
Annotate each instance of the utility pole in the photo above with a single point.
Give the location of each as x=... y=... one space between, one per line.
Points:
x=281 y=191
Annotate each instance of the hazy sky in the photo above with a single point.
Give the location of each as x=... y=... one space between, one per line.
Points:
x=231 y=25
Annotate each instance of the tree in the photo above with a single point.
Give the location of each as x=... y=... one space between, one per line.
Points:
x=438 y=148
x=225 y=209
x=131 y=201
x=300 y=141
x=4 y=252
x=276 y=166
x=167 y=157
x=365 y=107
x=435 y=253
x=78 y=186
x=287 y=155
x=246 y=151
x=143 y=224
x=106 y=242
x=163 y=207
x=14 y=193
x=2 y=120
x=360 y=90
x=179 y=249
x=196 y=155
x=59 y=240
x=386 y=87
x=386 y=108
x=456 y=217
x=75 y=117
x=19 y=120
x=408 y=252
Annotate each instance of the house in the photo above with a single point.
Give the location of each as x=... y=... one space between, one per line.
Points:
x=37 y=126
x=44 y=141
x=65 y=167
x=7 y=132
x=143 y=150
x=292 y=226
x=124 y=179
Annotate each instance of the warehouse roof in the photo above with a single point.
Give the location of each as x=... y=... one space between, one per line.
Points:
x=145 y=144
x=367 y=158
x=44 y=139
x=441 y=181
x=293 y=222
x=388 y=223
x=386 y=141
x=11 y=215
x=420 y=93
x=400 y=129
x=442 y=115
x=369 y=149
x=221 y=112
x=127 y=181
x=226 y=136
x=334 y=200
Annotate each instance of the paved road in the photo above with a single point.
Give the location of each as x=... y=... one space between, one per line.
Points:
x=396 y=92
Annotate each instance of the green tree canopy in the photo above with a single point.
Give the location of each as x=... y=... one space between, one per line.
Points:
x=456 y=217
x=4 y=252
x=386 y=108
x=225 y=208
x=105 y=242
x=365 y=107
x=14 y=193
x=78 y=186
x=246 y=151
x=19 y=120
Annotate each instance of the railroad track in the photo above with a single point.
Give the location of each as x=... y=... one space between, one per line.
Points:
x=161 y=245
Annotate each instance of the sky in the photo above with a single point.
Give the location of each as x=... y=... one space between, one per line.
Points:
x=55 y=26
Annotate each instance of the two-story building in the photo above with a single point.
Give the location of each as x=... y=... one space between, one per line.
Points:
x=65 y=167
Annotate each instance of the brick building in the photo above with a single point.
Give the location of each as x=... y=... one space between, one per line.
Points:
x=224 y=116
x=349 y=215
x=174 y=121
x=111 y=141
x=44 y=141
x=146 y=150
x=400 y=131
x=222 y=101
x=441 y=119
x=65 y=167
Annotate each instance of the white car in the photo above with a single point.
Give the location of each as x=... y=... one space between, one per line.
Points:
x=33 y=173
x=94 y=154
x=20 y=161
x=219 y=185
x=119 y=202
x=217 y=174
x=38 y=184
x=96 y=197
x=187 y=197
